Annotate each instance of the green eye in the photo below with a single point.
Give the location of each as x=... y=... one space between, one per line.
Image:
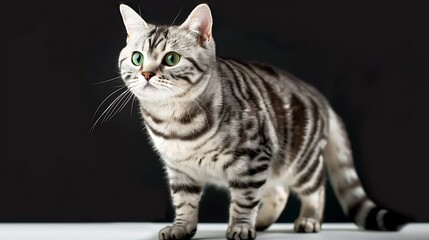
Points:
x=137 y=58
x=171 y=59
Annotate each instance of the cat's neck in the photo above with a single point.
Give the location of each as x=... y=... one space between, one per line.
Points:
x=177 y=107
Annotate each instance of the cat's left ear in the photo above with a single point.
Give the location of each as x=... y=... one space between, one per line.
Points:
x=200 y=21
x=132 y=21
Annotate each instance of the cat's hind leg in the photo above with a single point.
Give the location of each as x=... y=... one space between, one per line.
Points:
x=272 y=205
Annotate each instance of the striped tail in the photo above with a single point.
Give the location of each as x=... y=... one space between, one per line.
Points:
x=347 y=186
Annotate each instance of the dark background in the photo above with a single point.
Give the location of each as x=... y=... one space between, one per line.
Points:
x=371 y=60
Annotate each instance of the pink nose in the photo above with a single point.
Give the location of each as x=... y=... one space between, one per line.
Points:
x=147 y=75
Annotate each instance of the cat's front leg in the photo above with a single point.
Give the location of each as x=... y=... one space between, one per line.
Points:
x=186 y=195
x=245 y=198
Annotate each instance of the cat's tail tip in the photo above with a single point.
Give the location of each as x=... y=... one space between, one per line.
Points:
x=380 y=219
x=395 y=221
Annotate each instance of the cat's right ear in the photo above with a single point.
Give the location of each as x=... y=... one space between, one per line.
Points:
x=200 y=21
x=132 y=21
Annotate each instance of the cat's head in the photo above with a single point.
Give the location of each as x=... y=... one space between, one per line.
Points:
x=162 y=62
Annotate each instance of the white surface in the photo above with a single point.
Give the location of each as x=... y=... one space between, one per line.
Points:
x=142 y=231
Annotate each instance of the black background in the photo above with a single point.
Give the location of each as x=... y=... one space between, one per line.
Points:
x=371 y=60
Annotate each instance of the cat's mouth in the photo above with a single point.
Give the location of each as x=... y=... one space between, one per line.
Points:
x=150 y=85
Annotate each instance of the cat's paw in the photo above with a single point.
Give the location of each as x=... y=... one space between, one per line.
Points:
x=240 y=232
x=175 y=233
x=306 y=225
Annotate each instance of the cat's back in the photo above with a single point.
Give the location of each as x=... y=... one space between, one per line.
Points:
x=256 y=79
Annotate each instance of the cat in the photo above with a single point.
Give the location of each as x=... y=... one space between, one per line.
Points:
x=247 y=126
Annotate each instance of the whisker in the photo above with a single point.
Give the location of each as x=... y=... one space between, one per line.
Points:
x=105 y=100
x=132 y=104
x=109 y=80
x=124 y=103
x=115 y=105
x=140 y=11
x=177 y=16
x=106 y=110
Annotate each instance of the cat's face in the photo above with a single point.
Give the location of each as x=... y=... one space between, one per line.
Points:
x=162 y=62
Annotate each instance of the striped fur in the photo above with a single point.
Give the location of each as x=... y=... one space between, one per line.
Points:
x=249 y=127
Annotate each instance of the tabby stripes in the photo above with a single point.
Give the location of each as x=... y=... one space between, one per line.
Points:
x=192 y=189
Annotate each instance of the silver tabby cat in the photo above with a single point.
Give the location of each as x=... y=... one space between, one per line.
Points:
x=249 y=127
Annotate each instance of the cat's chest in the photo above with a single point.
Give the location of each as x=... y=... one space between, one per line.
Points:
x=174 y=150
x=202 y=162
